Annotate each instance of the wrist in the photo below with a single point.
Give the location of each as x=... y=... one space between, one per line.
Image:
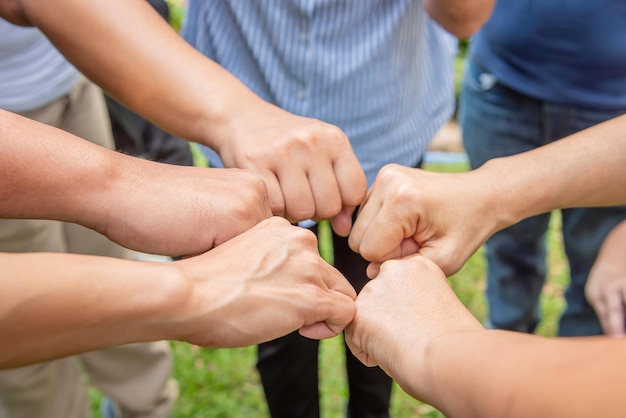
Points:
x=167 y=295
x=224 y=110
x=442 y=377
x=504 y=202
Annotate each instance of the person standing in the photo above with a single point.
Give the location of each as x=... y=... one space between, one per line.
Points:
x=537 y=72
x=37 y=82
x=383 y=74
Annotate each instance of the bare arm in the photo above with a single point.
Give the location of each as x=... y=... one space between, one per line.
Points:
x=446 y=217
x=49 y=174
x=128 y=49
x=410 y=322
x=460 y=17
x=54 y=305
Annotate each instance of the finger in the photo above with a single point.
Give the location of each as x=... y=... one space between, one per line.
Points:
x=353 y=343
x=350 y=178
x=335 y=312
x=364 y=358
x=372 y=270
x=368 y=211
x=299 y=202
x=342 y=223
x=614 y=316
x=318 y=331
x=441 y=254
x=338 y=283
x=325 y=190
x=274 y=192
x=383 y=237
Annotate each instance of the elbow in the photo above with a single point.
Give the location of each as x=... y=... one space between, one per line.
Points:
x=14 y=11
x=463 y=30
x=462 y=19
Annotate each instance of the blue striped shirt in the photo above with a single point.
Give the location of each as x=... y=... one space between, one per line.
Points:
x=381 y=70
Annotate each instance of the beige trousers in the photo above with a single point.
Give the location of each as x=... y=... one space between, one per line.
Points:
x=135 y=376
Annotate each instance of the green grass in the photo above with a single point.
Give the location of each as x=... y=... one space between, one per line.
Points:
x=217 y=383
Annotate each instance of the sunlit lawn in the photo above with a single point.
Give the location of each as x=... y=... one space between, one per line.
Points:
x=224 y=382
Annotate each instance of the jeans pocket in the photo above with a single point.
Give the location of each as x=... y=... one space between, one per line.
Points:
x=478 y=79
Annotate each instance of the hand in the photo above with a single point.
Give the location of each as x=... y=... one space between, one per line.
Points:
x=173 y=210
x=399 y=313
x=443 y=217
x=261 y=285
x=606 y=284
x=308 y=166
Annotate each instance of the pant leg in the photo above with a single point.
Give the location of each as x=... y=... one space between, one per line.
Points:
x=496 y=122
x=516 y=271
x=288 y=370
x=369 y=387
x=136 y=376
x=47 y=390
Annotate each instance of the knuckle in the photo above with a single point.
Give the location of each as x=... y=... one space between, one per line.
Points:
x=403 y=193
x=329 y=209
x=388 y=173
x=304 y=235
x=300 y=213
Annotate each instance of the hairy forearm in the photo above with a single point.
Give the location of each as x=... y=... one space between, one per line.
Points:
x=54 y=305
x=584 y=170
x=501 y=374
x=129 y=50
x=460 y=17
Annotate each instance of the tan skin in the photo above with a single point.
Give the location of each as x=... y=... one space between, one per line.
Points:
x=132 y=201
x=606 y=285
x=66 y=304
x=447 y=217
x=238 y=293
x=460 y=17
x=410 y=322
x=189 y=95
x=194 y=98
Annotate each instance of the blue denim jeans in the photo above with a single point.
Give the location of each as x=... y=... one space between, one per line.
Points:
x=497 y=121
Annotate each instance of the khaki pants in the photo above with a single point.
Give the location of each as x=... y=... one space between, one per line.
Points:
x=135 y=376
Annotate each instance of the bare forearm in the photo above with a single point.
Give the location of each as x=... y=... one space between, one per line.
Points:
x=506 y=374
x=54 y=305
x=125 y=47
x=50 y=174
x=460 y=17
x=585 y=169
x=46 y=172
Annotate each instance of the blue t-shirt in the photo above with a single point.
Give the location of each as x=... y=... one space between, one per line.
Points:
x=567 y=52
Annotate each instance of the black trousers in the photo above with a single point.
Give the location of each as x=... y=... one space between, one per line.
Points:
x=289 y=365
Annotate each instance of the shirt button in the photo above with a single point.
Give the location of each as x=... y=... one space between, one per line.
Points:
x=301 y=95
x=304 y=36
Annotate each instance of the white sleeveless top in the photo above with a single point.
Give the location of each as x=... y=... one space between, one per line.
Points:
x=32 y=71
